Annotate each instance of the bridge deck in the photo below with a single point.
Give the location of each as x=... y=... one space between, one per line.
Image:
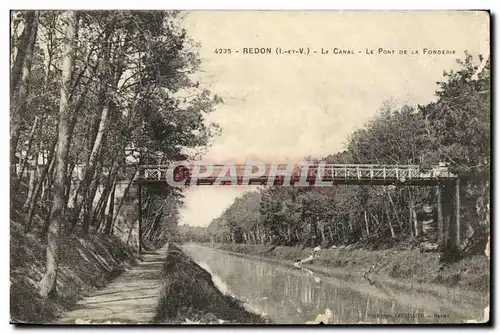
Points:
x=334 y=174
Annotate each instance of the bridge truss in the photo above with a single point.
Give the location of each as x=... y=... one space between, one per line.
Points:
x=356 y=174
x=446 y=184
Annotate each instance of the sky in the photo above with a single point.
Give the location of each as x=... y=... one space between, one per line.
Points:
x=281 y=108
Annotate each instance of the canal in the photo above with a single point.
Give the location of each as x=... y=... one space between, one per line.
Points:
x=289 y=295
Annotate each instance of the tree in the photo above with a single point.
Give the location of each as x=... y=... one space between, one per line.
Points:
x=22 y=69
x=126 y=86
x=48 y=283
x=458 y=126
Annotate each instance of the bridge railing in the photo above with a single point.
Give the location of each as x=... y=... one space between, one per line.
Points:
x=327 y=172
x=382 y=172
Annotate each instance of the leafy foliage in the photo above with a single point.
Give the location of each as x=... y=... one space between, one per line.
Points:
x=94 y=94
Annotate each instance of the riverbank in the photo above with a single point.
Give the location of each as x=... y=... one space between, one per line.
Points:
x=189 y=296
x=397 y=267
x=85 y=265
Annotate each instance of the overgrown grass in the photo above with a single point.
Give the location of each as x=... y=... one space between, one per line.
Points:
x=189 y=293
x=85 y=264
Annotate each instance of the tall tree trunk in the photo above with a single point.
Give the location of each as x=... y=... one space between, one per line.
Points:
x=90 y=166
x=19 y=110
x=393 y=235
x=49 y=181
x=109 y=218
x=24 y=160
x=31 y=186
x=104 y=199
x=366 y=224
x=89 y=205
x=22 y=49
x=394 y=209
x=124 y=195
x=87 y=208
x=38 y=189
x=48 y=284
x=40 y=185
x=322 y=232
x=45 y=229
x=68 y=182
x=71 y=129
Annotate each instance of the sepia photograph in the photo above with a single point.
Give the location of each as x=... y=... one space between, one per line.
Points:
x=258 y=167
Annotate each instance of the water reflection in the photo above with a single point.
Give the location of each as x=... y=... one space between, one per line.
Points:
x=291 y=295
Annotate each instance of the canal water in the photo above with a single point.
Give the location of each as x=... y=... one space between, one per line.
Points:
x=289 y=295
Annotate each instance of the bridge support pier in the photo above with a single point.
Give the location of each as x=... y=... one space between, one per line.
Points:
x=457 y=213
x=448 y=215
x=440 y=221
x=139 y=195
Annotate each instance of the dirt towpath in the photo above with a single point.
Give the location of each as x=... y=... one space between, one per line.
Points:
x=131 y=298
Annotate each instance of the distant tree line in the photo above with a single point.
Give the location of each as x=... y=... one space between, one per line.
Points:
x=187 y=233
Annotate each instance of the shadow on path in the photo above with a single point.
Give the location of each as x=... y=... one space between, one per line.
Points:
x=131 y=298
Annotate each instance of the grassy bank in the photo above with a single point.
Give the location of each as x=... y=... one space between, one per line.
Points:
x=85 y=265
x=189 y=296
x=391 y=265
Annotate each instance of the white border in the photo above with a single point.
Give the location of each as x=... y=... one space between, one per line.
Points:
x=189 y=4
x=258 y=4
